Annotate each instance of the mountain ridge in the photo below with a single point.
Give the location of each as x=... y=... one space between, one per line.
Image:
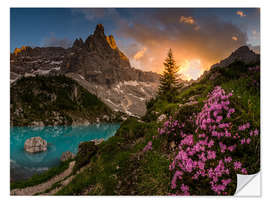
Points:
x=103 y=69
x=97 y=64
x=243 y=54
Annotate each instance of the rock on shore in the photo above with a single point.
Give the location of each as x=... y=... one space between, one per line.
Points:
x=67 y=156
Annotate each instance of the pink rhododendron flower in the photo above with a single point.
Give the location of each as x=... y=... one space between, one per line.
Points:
x=204 y=153
x=211 y=154
x=256 y=132
x=148 y=147
x=228 y=159
x=237 y=165
x=243 y=141
x=177 y=175
x=244 y=171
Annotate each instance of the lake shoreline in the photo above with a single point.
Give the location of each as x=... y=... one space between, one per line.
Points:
x=24 y=165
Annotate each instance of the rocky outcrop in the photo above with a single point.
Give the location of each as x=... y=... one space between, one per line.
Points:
x=67 y=156
x=242 y=54
x=35 y=144
x=28 y=61
x=98 y=141
x=161 y=118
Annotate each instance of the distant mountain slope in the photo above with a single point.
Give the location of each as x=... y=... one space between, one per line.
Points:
x=28 y=61
x=243 y=54
x=55 y=100
x=97 y=64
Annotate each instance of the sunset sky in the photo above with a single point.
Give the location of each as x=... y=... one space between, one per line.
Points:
x=198 y=37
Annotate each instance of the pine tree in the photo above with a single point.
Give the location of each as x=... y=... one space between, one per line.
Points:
x=169 y=80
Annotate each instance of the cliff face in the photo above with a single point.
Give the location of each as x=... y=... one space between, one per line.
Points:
x=97 y=64
x=100 y=61
x=28 y=61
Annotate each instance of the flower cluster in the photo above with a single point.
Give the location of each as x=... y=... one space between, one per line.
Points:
x=206 y=153
x=212 y=114
x=148 y=147
x=171 y=127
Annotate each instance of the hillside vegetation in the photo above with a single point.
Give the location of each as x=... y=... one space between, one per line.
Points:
x=55 y=100
x=193 y=145
x=152 y=157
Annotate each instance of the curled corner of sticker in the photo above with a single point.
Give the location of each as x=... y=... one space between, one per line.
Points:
x=248 y=185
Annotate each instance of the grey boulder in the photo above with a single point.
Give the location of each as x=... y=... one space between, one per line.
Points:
x=35 y=144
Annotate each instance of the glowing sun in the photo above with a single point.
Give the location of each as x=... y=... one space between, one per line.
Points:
x=191 y=69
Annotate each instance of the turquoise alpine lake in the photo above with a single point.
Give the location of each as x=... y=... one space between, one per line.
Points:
x=59 y=138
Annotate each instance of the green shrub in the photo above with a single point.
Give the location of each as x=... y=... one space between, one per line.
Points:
x=85 y=152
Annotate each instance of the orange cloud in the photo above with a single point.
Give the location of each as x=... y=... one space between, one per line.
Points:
x=241 y=13
x=140 y=54
x=188 y=20
x=234 y=38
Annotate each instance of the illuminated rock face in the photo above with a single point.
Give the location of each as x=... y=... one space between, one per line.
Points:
x=35 y=145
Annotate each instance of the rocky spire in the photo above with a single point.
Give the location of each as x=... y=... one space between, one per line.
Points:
x=78 y=43
x=97 y=52
x=99 y=30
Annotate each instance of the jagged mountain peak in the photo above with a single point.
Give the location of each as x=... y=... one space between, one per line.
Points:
x=78 y=43
x=99 y=53
x=99 y=43
x=243 y=54
x=99 y=30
